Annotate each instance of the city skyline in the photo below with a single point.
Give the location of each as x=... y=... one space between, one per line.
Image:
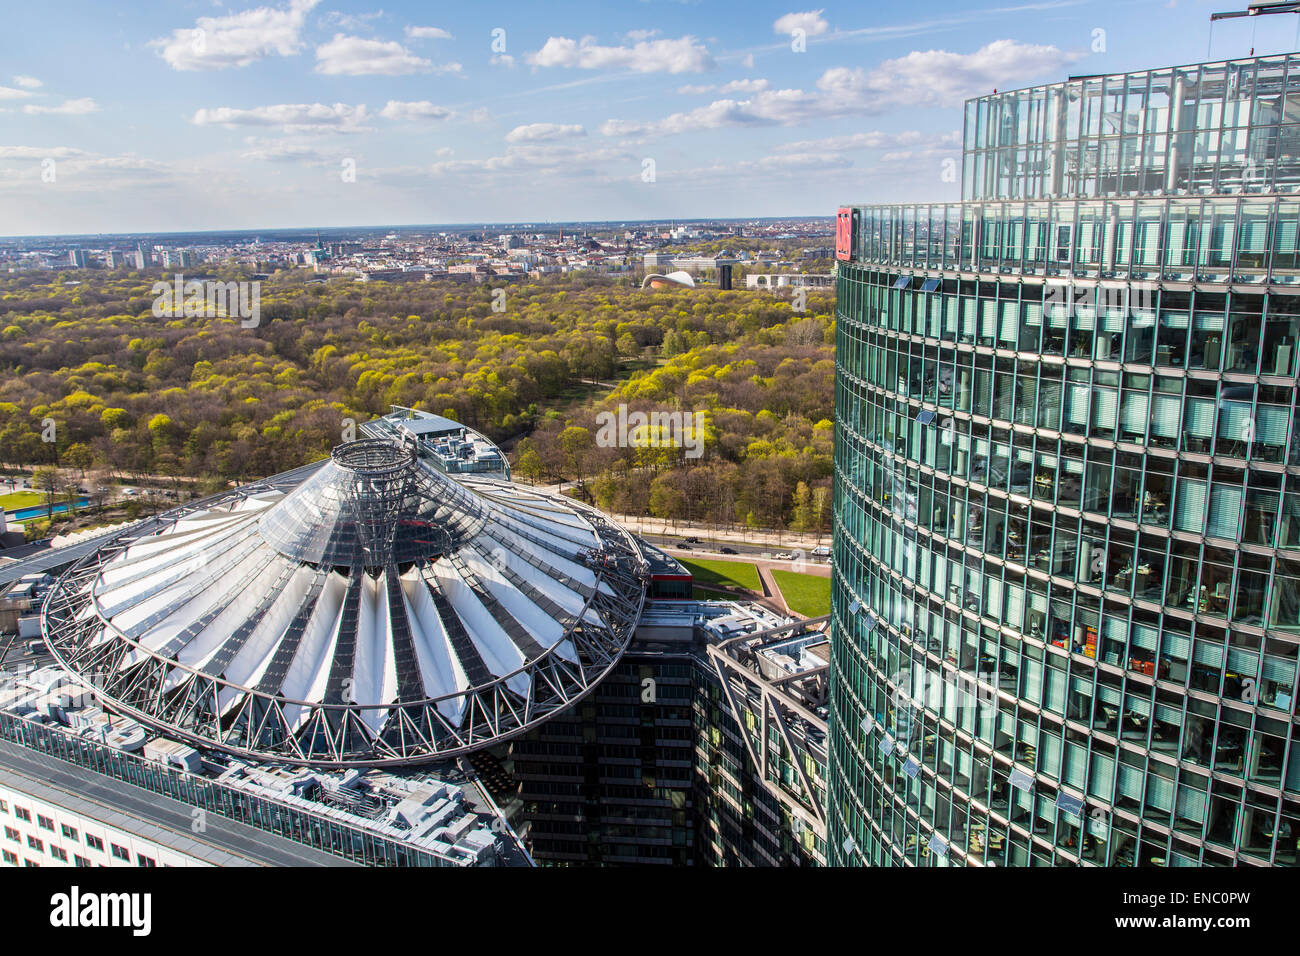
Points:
x=304 y=113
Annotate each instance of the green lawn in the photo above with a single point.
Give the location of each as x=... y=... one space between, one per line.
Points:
x=735 y=574
x=806 y=594
x=19 y=500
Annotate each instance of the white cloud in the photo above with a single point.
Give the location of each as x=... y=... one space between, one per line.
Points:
x=28 y=82
x=560 y=159
x=215 y=43
x=356 y=56
x=735 y=86
x=280 y=150
x=683 y=55
x=935 y=78
x=537 y=132
x=416 y=110
x=638 y=35
x=941 y=78
x=302 y=117
x=10 y=93
x=427 y=33
x=39 y=152
x=744 y=86
x=66 y=108
x=811 y=22
x=748 y=61
x=503 y=59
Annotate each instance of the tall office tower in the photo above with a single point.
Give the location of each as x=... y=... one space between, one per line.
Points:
x=77 y=257
x=1067 y=486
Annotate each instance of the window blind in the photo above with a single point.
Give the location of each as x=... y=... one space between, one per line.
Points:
x=1166 y=412
x=1077 y=413
x=1225 y=510
x=1189 y=511
x=1134 y=413
x=1270 y=425
x=1234 y=421
x=1199 y=420
x=1104 y=408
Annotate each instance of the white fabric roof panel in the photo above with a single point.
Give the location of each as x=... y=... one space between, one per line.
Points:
x=245 y=599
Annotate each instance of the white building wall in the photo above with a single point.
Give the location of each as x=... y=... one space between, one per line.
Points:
x=83 y=840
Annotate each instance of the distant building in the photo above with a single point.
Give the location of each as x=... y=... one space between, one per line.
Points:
x=657 y=281
x=77 y=258
x=784 y=281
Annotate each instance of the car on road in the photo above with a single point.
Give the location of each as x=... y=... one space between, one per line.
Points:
x=822 y=551
x=683 y=545
x=726 y=550
x=783 y=556
x=692 y=540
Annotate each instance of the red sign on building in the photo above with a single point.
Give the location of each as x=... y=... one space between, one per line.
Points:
x=844 y=233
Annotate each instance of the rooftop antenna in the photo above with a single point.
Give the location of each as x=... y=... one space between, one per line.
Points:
x=1258 y=9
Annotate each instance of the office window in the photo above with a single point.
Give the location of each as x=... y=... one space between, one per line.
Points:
x=13 y=834
x=68 y=831
x=82 y=861
x=95 y=843
x=22 y=814
x=10 y=858
x=142 y=860
x=45 y=823
x=35 y=844
x=121 y=852
x=4 y=806
x=59 y=854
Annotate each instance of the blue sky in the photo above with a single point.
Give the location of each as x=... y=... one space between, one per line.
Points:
x=232 y=115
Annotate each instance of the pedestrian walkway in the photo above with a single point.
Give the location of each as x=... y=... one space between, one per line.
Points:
x=775 y=538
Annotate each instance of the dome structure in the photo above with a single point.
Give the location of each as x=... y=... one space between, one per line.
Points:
x=680 y=279
x=380 y=612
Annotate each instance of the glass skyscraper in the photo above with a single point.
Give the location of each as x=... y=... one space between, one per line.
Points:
x=1067 y=486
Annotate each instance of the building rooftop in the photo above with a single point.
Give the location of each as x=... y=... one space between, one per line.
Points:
x=440 y=811
x=379 y=612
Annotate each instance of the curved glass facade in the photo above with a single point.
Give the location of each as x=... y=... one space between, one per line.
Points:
x=1067 y=533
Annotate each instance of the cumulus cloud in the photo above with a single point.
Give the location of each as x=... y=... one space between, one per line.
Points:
x=10 y=93
x=941 y=78
x=538 y=132
x=39 y=152
x=356 y=56
x=77 y=107
x=215 y=43
x=929 y=78
x=427 y=33
x=735 y=86
x=744 y=86
x=811 y=22
x=683 y=55
x=28 y=82
x=415 y=110
x=271 y=151
x=299 y=117
x=561 y=159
